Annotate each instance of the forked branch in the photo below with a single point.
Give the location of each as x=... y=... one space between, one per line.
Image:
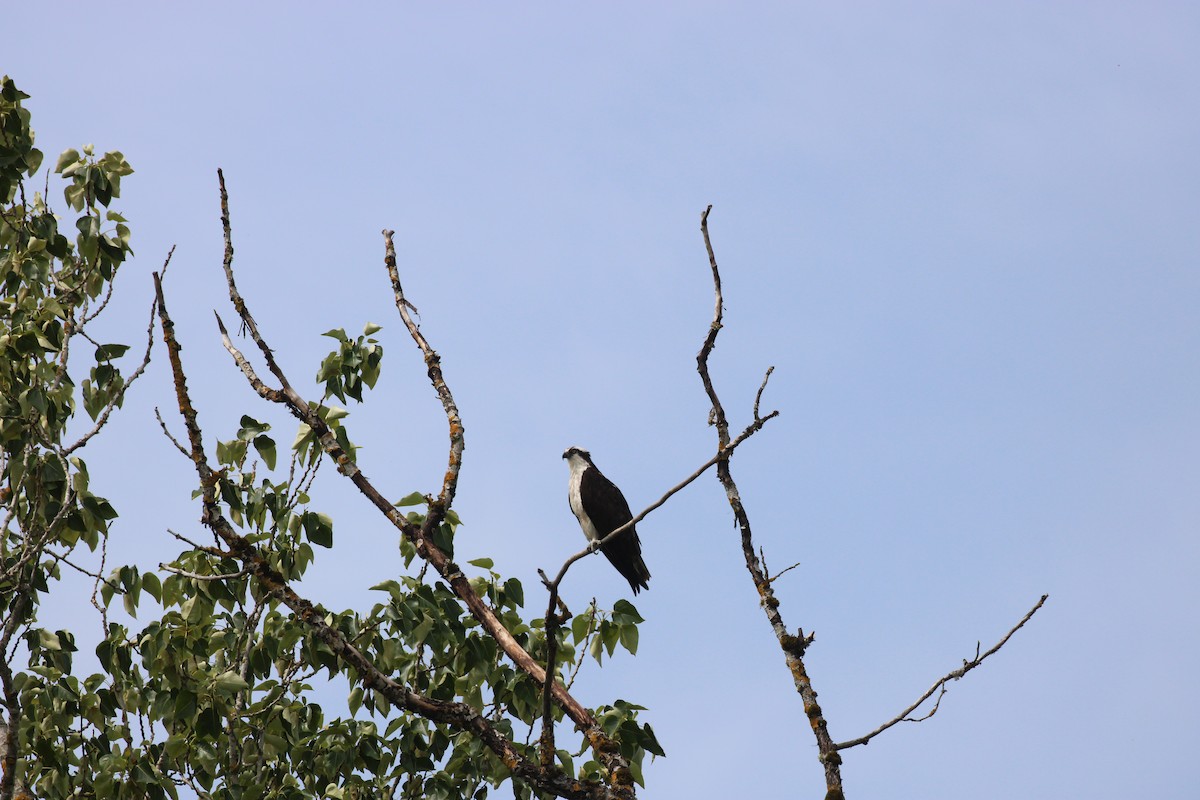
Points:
x=793 y=646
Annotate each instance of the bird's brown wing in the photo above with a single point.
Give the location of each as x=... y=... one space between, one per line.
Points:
x=608 y=511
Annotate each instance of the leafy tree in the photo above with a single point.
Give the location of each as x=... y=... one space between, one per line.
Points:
x=215 y=694
x=56 y=280
x=454 y=686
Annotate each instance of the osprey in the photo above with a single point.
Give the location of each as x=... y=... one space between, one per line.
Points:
x=601 y=509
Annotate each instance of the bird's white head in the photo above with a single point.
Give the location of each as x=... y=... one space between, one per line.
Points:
x=577 y=456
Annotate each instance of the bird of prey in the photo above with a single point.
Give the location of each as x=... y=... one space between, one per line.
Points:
x=601 y=509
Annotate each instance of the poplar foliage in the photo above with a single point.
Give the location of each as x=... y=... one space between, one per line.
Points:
x=201 y=684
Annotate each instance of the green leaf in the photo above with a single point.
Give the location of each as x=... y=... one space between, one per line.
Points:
x=370 y=328
x=412 y=499
x=649 y=741
x=624 y=611
x=265 y=446
x=568 y=765
x=580 y=626
x=152 y=584
x=231 y=453
x=68 y=157
x=629 y=638
x=106 y=352
x=482 y=563
x=230 y=682
x=75 y=195
x=337 y=333
x=512 y=587
x=48 y=640
x=333 y=413
x=250 y=427
x=318 y=528
x=176 y=745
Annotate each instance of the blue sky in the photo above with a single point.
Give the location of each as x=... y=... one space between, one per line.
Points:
x=964 y=234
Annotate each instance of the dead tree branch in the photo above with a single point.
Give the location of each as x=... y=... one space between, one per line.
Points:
x=793 y=646
x=954 y=675
x=433 y=363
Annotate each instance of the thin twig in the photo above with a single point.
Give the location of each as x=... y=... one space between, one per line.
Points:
x=967 y=666
x=119 y=397
x=761 y=389
x=167 y=433
x=241 y=573
x=197 y=546
x=774 y=578
x=591 y=631
x=63 y=558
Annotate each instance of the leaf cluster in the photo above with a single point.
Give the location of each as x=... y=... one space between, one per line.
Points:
x=224 y=691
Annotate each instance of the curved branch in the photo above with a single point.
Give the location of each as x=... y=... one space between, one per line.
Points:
x=941 y=684
x=236 y=297
x=433 y=363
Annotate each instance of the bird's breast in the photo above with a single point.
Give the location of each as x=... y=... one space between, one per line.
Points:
x=585 y=522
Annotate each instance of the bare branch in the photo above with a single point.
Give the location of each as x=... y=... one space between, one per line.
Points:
x=241 y=573
x=115 y=401
x=433 y=364
x=553 y=622
x=967 y=666
x=197 y=546
x=761 y=389
x=786 y=570
x=264 y=391
x=100 y=578
x=793 y=646
x=235 y=296
x=167 y=433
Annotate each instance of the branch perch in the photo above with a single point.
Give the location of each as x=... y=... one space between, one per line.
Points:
x=722 y=454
